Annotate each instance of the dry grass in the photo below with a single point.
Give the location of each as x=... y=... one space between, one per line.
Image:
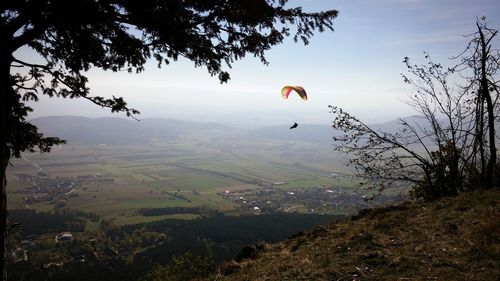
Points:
x=450 y=239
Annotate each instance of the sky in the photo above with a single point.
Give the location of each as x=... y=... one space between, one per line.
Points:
x=357 y=67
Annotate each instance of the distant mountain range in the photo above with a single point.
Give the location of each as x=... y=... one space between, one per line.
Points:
x=321 y=134
x=119 y=130
x=112 y=130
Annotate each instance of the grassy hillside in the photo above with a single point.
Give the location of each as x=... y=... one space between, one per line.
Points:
x=451 y=239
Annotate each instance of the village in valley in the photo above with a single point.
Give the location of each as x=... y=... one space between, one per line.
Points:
x=124 y=202
x=41 y=187
x=70 y=240
x=314 y=200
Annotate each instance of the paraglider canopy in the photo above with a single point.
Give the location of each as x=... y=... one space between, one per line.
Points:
x=285 y=92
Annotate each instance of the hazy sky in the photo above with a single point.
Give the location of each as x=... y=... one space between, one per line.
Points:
x=357 y=67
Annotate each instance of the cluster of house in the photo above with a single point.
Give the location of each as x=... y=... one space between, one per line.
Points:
x=321 y=199
x=43 y=188
x=20 y=252
x=64 y=236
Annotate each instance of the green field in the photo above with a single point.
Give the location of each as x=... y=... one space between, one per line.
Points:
x=187 y=173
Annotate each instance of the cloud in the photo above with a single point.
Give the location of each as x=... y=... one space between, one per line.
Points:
x=426 y=39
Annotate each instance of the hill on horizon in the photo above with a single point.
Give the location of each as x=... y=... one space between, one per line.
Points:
x=121 y=131
x=117 y=131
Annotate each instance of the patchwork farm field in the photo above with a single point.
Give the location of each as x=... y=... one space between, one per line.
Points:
x=115 y=181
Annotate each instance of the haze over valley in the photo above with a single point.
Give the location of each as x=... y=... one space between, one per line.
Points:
x=155 y=174
x=172 y=163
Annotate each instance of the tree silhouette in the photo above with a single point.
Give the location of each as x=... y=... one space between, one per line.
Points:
x=74 y=36
x=450 y=147
x=482 y=60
